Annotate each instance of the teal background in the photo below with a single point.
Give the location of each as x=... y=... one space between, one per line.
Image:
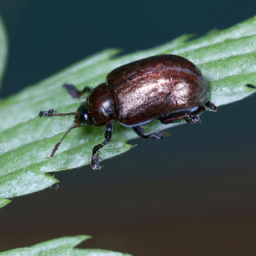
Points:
x=192 y=193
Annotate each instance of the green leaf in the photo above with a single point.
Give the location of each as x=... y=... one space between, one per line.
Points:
x=3 y=49
x=60 y=246
x=4 y=202
x=24 y=182
x=226 y=58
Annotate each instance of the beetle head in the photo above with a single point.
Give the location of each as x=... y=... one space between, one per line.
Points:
x=82 y=115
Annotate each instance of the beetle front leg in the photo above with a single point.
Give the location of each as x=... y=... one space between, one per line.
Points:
x=141 y=133
x=76 y=93
x=95 y=156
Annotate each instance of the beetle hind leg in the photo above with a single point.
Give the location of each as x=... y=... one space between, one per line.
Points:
x=141 y=133
x=190 y=115
x=72 y=90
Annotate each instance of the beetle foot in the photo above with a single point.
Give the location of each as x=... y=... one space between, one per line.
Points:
x=95 y=162
x=193 y=119
x=47 y=113
x=158 y=135
x=210 y=106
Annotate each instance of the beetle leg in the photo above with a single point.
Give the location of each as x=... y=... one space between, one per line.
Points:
x=95 y=156
x=172 y=118
x=74 y=92
x=141 y=133
x=189 y=118
x=190 y=115
x=193 y=119
x=210 y=106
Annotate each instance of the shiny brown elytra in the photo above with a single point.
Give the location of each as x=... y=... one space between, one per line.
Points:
x=164 y=87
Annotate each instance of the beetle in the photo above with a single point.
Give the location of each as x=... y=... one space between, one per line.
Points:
x=164 y=87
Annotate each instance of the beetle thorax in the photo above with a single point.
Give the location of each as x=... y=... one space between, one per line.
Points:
x=100 y=106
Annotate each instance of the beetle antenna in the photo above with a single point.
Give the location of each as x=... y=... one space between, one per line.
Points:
x=63 y=137
x=51 y=112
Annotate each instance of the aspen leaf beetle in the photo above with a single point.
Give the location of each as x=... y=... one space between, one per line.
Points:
x=164 y=87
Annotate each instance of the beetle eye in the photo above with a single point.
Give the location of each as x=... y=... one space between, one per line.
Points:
x=83 y=118
x=83 y=115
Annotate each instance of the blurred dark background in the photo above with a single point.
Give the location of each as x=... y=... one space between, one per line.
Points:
x=192 y=193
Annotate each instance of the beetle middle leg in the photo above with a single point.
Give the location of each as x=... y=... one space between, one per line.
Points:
x=72 y=90
x=193 y=119
x=141 y=133
x=95 y=156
